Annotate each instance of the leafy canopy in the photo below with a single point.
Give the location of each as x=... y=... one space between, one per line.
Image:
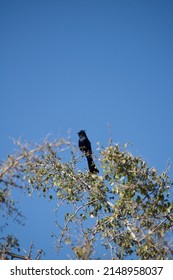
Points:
x=127 y=209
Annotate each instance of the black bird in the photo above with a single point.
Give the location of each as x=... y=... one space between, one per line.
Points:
x=85 y=147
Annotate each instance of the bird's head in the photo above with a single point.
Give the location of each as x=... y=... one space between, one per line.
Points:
x=82 y=133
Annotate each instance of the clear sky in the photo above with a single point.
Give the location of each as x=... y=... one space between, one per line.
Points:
x=81 y=64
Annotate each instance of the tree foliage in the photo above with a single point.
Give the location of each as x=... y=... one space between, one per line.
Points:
x=127 y=209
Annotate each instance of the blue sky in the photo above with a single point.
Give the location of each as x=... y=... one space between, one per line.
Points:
x=81 y=65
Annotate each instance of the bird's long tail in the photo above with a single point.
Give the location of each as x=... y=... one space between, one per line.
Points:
x=91 y=165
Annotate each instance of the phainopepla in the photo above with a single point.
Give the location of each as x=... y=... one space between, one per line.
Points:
x=85 y=147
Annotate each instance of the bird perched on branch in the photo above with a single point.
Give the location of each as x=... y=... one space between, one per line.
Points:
x=85 y=147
